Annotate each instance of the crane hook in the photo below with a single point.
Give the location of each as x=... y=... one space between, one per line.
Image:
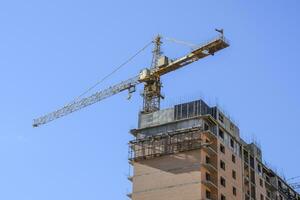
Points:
x=130 y=91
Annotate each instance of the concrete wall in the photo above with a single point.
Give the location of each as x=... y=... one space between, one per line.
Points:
x=156 y=118
x=175 y=177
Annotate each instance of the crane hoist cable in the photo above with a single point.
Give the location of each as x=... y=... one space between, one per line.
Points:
x=111 y=73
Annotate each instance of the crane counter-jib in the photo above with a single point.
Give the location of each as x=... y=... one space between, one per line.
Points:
x=207 y=49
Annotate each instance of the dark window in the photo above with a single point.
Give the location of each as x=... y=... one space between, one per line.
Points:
x=207 y=159
x=232 y=143
x=207 y=176
x=259 y=168
x=222 y=148
x=221 y=133
x=252 y=176
x=268 y=193
x=222 y=164
x=231 y=126
x=191 y=108
x=208 y=194
x=279 y=184
x=261 y=183
x=233 y=174
x=223 y=182
x=234 y=191
x=184 y=110
x=261 y=197
x=206 y=127
x=221 y=118
x=223 y=197
x=251 y=162
x=253 y=192
x=233 y=158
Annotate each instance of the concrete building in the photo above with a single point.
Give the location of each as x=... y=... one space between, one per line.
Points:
x=194 y=152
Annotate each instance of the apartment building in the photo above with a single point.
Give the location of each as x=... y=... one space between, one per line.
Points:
x=194 y=152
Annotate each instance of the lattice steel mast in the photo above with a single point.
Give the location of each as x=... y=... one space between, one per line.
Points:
x=152 y=88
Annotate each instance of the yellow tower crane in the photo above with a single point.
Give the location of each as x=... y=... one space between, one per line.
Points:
x=150 y=77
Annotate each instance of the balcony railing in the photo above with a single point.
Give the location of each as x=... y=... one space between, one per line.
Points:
x=166 y=144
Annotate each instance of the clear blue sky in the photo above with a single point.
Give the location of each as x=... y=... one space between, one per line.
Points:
x=51 y=51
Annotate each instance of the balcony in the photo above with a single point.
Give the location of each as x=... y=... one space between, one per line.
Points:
x=209 y=150
x=209 y=184
x=270 y=182
x=209 y=167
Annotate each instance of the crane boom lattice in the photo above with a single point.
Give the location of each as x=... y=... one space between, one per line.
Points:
x=79 y=104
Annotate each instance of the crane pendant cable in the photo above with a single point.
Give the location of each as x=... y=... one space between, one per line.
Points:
x=111 y=73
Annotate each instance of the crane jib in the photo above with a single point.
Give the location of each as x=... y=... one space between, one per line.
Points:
x=84 y=102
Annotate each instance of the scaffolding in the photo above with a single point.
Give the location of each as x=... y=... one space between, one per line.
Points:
x=166 y=144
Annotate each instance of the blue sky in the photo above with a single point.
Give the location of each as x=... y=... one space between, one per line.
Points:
x=51 y=51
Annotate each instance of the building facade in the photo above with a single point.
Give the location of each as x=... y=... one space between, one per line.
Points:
x=194 y=152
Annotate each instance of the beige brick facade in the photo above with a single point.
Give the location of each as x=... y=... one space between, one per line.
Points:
x=199 y=157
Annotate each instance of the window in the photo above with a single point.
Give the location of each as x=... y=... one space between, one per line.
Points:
x=207 y=176
x=279 y=184
x=233 y=174
x=261 y=197
x=206 y=127
x=223 y=182
x=221 y=133
x=251 y=162
x=222 y=164
x=231 y=126
x=207 y=141
x=233 y=158
x=261 y=183
x=184 y=111
x=207 y=160
x=253 y=192
x=268 y=194
x=234 y=191
x=221 y=118
x=259 y=168
x=231 y=142
x=208 y=194
x=223 y=197
x=267 y=179
x=252 y=176
x=222 y=148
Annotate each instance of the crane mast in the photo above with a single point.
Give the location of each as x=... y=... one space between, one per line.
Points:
x=152 y=86
x=150 y=77
x=163 y=65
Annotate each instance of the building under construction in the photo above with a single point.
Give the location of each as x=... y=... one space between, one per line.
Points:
x=194 y=152
x=191 y=151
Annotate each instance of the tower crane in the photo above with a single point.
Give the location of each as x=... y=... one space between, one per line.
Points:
x=150 y=77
